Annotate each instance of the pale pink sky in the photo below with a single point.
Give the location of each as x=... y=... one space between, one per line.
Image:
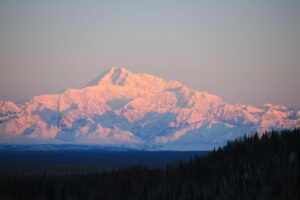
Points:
x=243 y=51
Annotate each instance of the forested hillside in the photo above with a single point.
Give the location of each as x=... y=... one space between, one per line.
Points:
x=251 y=167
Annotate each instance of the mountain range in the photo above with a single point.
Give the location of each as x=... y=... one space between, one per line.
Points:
x=141 y=111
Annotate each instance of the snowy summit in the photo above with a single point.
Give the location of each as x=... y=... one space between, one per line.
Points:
x=142 y=111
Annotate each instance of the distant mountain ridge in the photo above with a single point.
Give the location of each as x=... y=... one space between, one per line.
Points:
x=142 y=111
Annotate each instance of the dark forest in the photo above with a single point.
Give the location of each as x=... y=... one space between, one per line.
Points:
x=250 y=167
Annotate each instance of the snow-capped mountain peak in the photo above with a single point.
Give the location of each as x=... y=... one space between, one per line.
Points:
x=136 y=110
x=115 y=76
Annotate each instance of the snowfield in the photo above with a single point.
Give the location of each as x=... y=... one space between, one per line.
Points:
x=141 y=111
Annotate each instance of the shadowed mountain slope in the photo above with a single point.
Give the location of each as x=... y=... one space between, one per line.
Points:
x=120 y=108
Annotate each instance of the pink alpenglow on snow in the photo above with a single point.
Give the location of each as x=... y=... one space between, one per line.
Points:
x=137 y=110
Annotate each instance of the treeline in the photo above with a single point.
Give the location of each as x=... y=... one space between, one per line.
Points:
x=251 y=167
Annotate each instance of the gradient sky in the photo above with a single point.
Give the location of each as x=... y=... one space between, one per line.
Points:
x=243 y=51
